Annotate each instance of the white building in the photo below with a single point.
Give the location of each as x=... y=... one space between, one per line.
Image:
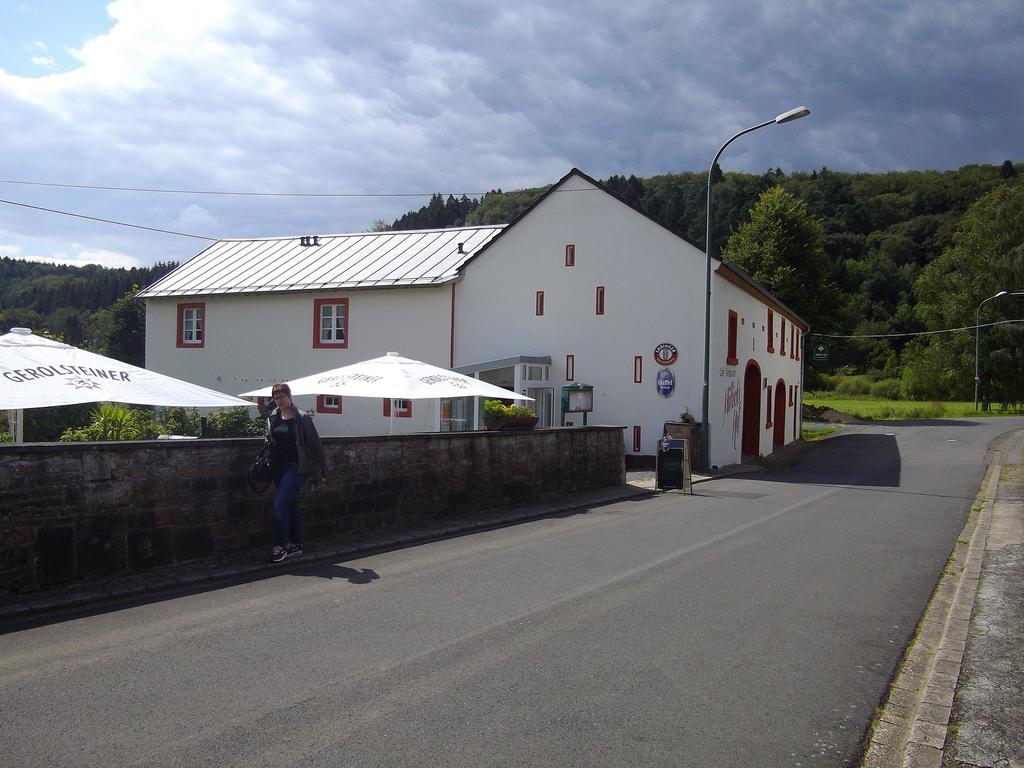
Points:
x=580 y=289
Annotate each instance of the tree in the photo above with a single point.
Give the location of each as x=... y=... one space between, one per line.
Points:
x=782 y=248
x=987 y=256
x=121 y=329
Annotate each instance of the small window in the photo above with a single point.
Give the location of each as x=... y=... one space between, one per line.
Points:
x=771 y=331
x=799 y=343
x=570 y=367
x=403 y=408
x=328 y=404
x=330 y=324
x=792 y=341
x=636 y=439
x=782 y=336
x=638 y=369
x=570 y=255
x=768 y=409
x=599 y=300
x=191 y=326
x=731 y=359
x=540 y=303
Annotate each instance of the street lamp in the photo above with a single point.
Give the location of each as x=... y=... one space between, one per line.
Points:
x=785 y=117
x=977 y=339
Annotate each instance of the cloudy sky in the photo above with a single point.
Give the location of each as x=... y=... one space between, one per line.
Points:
x=377 y=101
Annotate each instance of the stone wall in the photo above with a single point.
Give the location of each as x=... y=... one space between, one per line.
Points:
x=76 y=510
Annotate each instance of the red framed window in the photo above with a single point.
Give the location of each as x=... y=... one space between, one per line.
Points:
x=782 y=336
x=799 y=343
x=540 y=303
x=570 y=255
x=731 y=358
x=330 y=323
x=792 y=341
x=403 y=408
x=570 y=367
x=768 y=409
x=192 y=326
x=771 y=331
x=328 y=404
x=636 y=439
x=638 y=369
x=599 y=300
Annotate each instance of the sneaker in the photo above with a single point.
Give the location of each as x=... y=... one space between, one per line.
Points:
x=277 y=554
x=294 y=549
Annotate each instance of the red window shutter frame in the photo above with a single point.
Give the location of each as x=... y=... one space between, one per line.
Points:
x=181 y=343
x=731 y=358
x=317 y=343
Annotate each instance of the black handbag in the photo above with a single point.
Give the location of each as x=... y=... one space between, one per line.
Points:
x=262 y=470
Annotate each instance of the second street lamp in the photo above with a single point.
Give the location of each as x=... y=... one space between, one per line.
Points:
x=785 y=117
x=977 y=339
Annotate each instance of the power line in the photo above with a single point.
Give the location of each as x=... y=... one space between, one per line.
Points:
x=162 y=190
x=108 y=221
x=914 y=333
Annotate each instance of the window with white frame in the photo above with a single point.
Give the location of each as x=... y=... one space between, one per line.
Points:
x=191 y=325
x=330 y=323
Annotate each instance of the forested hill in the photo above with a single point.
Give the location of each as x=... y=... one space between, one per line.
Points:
x=880 y=229
x=64 y=299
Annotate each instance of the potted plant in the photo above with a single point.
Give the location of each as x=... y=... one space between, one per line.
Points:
x=497 y=416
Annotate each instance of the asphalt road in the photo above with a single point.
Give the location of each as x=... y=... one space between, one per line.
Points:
x=756 y=623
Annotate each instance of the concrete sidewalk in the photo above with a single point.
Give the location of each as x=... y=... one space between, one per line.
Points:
x=957 y=700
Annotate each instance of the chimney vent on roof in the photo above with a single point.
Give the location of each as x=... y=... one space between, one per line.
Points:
x=461 y=248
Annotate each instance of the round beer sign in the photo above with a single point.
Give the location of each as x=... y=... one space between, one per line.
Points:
x=665 y=354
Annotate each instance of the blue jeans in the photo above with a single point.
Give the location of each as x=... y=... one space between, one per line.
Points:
x=287 y=521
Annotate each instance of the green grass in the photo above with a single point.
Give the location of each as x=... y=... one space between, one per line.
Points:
x=866 y=408
x=810 y=434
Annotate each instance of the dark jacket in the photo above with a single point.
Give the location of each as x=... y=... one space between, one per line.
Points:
x=307 y=442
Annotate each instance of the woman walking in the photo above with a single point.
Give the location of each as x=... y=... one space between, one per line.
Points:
x=296 y=451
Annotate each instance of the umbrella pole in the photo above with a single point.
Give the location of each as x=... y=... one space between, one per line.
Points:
x=391 y=419
x=19 y=426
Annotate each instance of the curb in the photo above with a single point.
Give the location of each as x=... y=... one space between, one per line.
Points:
x=910 y=728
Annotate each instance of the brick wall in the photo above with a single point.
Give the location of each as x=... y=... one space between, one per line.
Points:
x=74 y=510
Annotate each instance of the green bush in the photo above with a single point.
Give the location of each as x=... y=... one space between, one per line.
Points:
x=113 y=421
x=234 y=422
x=6 y=437
x=495 y=409
x=886 y=389
x=853 y=386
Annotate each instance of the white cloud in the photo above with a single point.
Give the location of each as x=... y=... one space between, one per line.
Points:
x=46 y=62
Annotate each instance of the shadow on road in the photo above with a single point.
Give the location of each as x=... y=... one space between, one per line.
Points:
x=858 y=459
x=338 y=571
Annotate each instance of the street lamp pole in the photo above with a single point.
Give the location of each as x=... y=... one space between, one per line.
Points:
x=977 y=339
x=785 y=117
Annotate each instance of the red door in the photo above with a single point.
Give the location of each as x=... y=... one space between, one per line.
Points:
x=751 y=410
x=779 y=418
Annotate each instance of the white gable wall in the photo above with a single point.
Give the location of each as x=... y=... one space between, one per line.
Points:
x=654 y=286
x=255 y=340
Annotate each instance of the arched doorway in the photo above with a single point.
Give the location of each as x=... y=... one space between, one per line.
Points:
x=751 y=410
x=779 y=415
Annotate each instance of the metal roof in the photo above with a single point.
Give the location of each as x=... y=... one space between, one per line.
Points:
x=361 y=260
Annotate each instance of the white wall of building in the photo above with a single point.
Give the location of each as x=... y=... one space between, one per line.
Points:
x=654 y=286
x=726 y=399
x=255 y=340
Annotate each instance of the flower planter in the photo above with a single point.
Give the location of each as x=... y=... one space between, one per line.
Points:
x=502 y=423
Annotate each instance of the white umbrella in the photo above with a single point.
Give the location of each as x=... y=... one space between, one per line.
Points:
x=36 y=372
x=394 y=377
